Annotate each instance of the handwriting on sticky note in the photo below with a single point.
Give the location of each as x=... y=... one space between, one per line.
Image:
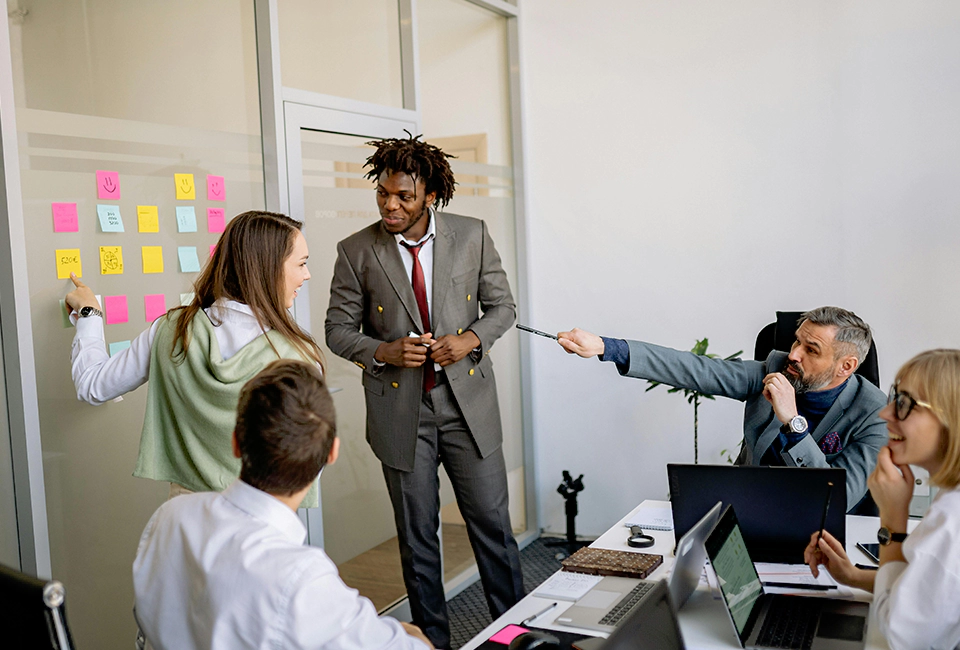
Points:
x=68 y=260
x=148 y=218
x=155 y=306
x=152 y=259
x=111 y=260
x=186 y=218
x=108 y=185
x=215 y=222
x=118 y=346
x=110 y=220
x=189 y=262
x=65 y=217
x=215 y=188
x=116 y=308
x=185 y=188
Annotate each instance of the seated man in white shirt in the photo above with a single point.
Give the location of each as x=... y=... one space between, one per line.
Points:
x=230 y=570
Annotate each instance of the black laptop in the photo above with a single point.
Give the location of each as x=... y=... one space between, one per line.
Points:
x=652 y=625
x=779 y=507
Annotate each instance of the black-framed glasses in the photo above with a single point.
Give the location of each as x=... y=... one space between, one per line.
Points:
x=903 y=403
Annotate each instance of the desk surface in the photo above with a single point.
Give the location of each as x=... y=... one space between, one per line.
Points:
x=703 y=620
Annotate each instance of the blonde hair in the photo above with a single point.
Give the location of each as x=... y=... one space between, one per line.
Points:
x=935 y=377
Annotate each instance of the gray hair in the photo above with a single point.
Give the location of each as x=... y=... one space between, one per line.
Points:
x=851 y=329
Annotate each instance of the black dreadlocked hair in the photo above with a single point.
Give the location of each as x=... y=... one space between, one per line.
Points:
x=417 y=159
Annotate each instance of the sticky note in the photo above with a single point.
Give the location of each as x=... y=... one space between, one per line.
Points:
x=65 y=217
x=189 y=262
x=185 y=189
x=216 y=191
x=68 y=259
x=65 y=314
x=186 y=298
x=508 y=634
x=155 y=306
x=186 y=218
x=213 y=247
x=215 y=221
x=116 y=309
x=152 y=259
x=117 y=346
x=110 y=220
x=111 y=260
x=148 y=218
x=108 y=185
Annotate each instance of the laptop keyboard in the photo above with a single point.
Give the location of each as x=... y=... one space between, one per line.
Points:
x=790 y=623
x=627 y=603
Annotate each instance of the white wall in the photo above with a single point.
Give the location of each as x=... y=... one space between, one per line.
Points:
x=695 y=166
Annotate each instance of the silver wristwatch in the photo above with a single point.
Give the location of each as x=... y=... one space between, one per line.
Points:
x=797 y=424
x=87 y=312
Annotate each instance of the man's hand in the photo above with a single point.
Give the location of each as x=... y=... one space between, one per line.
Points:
x=892 y=488
x=408 y=352
x=450 y=348
x=81 y=296
x=779 y=392
x=416 y=633
x=581 y=342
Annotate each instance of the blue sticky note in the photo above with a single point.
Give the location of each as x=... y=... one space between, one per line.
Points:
x=110 y=220
x=189 y=262
x=186 y=218
x=116 y=346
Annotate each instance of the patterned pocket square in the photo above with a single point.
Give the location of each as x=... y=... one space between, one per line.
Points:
x=830 y=443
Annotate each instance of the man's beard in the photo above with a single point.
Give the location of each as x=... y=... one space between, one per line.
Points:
x=802 y=383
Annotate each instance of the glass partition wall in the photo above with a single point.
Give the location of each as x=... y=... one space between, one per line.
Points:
x=155 y=88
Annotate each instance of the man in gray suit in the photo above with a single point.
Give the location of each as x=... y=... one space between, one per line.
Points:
x=405 y=306
x=803 y=409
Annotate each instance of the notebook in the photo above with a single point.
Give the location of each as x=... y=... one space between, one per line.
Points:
x=762 y=620
x=778 y=506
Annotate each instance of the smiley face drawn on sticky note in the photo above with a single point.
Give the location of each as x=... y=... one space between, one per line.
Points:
x=68 y=260
x=185 y=188
x=111 y=260
x=215 y=189
x=108 y=185
x=215 y=221
x=65 y=217
x=148 y=218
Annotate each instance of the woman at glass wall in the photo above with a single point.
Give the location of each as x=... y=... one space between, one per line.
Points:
x=917 y=588
x=197 y=357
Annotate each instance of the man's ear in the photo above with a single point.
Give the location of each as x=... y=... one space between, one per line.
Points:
x=430 y=198
x=236 y=446
x=848 y=365
x=334 y=452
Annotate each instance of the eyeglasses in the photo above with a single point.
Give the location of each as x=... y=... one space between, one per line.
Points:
x=903 y=403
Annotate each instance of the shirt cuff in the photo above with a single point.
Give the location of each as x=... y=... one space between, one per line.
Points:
x=615 y=350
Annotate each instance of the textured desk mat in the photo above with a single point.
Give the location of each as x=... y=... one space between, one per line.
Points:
x=604 y=562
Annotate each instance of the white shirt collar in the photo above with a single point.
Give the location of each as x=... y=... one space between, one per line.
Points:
x=262 y=506
x=431 y=231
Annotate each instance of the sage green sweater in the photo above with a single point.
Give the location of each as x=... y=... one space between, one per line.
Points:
x=192 y=406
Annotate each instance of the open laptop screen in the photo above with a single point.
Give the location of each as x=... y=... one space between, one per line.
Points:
x=736 y=574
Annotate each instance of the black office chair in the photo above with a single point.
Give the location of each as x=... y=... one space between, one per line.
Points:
x=780 y=336
x=32 y=612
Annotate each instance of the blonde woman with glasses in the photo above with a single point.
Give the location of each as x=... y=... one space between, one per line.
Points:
x=917 y=588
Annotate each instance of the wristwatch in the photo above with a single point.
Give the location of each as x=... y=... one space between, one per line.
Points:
x=885 y=537
x=797 y=424
x=86 y=312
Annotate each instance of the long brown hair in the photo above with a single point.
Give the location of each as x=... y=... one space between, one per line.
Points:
x=247 y=266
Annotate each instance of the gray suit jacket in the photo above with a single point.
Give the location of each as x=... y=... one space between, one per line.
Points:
x=372 y=301
x=851 y=431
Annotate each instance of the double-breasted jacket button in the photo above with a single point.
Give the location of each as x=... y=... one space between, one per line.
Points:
x=468 y=297
x=395 y=385
x=380 y=308
x=471 y=372
x=460 y=330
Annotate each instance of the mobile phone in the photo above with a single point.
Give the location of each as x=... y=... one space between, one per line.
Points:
x=870 y=550
x=537 y=332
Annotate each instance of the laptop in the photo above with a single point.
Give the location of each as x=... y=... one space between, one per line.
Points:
x=651 y=625
x=763 y=620
x=613 y=599
x=778 y=506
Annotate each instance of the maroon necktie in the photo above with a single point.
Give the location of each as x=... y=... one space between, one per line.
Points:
x=420 y=291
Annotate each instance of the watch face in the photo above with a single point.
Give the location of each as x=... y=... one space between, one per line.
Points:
x=883 y=536
x=85 y=311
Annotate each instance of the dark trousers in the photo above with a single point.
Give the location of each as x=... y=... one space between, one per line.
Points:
x=480 y=485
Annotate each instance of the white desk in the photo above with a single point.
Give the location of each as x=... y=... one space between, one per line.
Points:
x=703 y=620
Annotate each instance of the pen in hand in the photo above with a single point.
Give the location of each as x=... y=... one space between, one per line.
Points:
x=826 y=506
x=528 y=620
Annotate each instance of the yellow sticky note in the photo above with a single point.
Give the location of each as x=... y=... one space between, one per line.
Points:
x=152 y=259
x=68 y=259
x=185 y=187
x=148 y=218
x=111 y=260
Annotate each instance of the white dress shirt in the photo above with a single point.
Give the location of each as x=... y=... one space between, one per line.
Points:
x=230 y=571
x=425 y=256
x=917 y=602
x=100 y=378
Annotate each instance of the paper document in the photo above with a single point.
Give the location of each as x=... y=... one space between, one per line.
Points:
x=652 y=519
x=565 y=585
x=799 y=574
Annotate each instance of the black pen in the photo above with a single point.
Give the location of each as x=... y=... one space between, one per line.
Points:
x=866 y=567
x=537 y=332
x=799 y=585
x=826 y=506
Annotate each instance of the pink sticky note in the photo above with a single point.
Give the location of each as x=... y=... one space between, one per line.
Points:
x=155 y=306
x=65 y=217
x=108 y=185
x=508 y=634
x=216 y=191
x=213 y=247
x=215 y=219
x=116 y=307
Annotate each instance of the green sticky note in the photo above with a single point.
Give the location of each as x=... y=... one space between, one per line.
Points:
x=189 y=262
x=65 y=314
x=117 y=346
